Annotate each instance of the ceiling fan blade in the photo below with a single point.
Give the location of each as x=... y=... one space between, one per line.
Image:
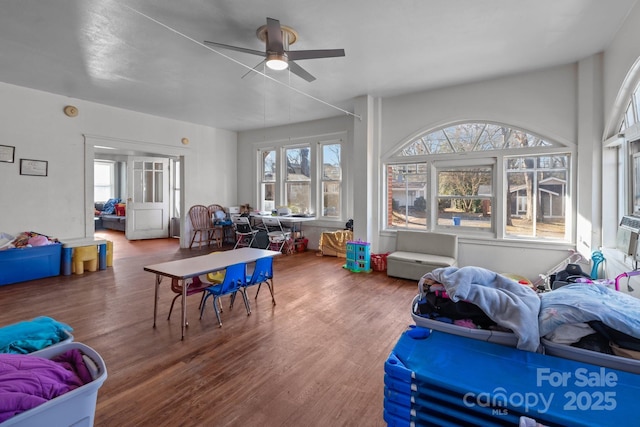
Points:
x=300 y=72
x=297 y=55
x=254 y=69
x=274 y=36
x=239 y=49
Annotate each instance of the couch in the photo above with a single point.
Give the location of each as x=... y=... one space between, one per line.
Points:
x=111 y=215
x=417 y=253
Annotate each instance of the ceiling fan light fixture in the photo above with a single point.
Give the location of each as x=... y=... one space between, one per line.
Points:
x=277 y=62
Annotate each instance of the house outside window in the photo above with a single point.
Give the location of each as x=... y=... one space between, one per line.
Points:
x=407 y=195
x=493 y=189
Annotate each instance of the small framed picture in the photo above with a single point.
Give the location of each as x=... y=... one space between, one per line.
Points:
x=7 y=153
x=33 y=167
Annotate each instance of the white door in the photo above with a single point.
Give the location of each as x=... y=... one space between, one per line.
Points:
x=148 y=198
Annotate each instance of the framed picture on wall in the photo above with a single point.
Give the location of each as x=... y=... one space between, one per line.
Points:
x=33 y=167
x=7 y=153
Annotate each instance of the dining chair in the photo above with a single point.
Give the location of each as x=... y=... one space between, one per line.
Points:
x=201 y=224
x=262 y=273
x=194 y=286
x=221 y=228
x=234 y=281
x=245 y=233
x=279 y=237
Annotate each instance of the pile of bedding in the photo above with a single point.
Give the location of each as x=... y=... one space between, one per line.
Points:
x=591 y=316
x=508 y=303
x=576 y=314
x=32 y=335
x=27 y=381
x=26 y=239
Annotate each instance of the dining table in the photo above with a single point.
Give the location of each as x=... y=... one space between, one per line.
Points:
x=188 y=268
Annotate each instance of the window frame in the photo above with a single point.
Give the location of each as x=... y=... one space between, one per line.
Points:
x=263 y=181
x=315 y=146
x=112 y=179
x=495 y=157
x=434 y=196
x=336 y=182
x=286 y=181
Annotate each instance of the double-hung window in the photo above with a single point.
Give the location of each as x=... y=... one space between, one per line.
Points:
x=297 y=195
x=268 y=173
x=103 y=180
x=306 y=177
x=331 y=176
x=465 y=196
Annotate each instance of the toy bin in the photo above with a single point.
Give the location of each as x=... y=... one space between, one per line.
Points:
x=497 y=337
x=379 y=262
x=75 y=408
x=22 y=264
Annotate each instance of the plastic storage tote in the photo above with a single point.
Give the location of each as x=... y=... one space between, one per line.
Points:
x=587 y=356
x=497 y=337
x=22 y=264
x=75 y=408
x=30 y=336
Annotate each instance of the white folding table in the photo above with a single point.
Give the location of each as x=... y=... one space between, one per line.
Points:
x=188 y=268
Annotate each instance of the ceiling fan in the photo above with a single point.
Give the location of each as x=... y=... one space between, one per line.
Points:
x=277 y=55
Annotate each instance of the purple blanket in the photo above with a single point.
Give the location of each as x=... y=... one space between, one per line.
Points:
x=28 y=381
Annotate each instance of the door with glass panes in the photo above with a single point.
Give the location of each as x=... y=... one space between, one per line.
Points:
x=148 y=198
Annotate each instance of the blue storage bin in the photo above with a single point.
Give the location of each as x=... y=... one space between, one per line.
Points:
x=22 y=264
x=452 y=374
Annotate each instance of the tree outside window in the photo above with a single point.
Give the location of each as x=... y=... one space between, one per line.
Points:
x=331 y=180
x=298 y=179
x=464 y=196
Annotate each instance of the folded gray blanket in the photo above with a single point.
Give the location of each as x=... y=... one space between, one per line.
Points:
x=506 y=302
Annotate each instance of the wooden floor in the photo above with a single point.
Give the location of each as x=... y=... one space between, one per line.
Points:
x=315 y=359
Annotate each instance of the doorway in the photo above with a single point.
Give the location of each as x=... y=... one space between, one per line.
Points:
x=146 y=183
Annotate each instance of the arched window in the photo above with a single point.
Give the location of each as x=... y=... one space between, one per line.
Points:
x=481 y=178
x=629 y=154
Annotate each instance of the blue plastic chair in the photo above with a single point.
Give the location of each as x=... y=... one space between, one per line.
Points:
x=262 y=273
x=234 y=281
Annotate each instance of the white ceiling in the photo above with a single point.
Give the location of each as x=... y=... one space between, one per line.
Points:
x=147 y=55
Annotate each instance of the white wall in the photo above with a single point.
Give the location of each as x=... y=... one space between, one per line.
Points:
x=543 y=102
x=33 y=122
